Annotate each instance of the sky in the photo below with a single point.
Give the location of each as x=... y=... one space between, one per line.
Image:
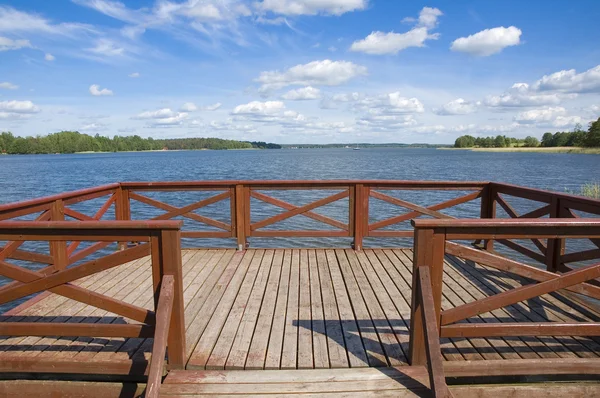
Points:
x=299 y=71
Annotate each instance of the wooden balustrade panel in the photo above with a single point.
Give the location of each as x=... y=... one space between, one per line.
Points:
x=205 y=213
x=319 y=212
x=390 y=210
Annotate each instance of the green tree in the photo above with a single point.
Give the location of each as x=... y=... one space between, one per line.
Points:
x=531 y=142
x=500 y=142
x=592 y=138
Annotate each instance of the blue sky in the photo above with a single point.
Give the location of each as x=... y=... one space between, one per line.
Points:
x=299 y=71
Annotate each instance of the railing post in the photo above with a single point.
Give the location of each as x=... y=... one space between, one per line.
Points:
x=58 y=249
x=360 y=216
x=429 y=249
x=556 y=247
x=488 y=210
x=242 y=215
x=122 y=209
x=170 y=264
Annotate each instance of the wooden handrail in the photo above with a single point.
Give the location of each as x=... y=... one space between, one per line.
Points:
x=66 y=196
x=433 y=350
x=159 y=346
x=433 y=241
x=162 y=244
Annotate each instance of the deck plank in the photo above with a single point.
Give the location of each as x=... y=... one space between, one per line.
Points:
x=243 y=339
x=275 y=346
x=209 y=337
x=305 y=317
x=218 y=357
x=289 y=354
x=319 y=329
x=357 y=357
x=368 y=333
x=260 y=340
x=384 y=316
x=338 y=355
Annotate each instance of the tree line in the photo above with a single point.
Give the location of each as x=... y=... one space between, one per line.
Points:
x=73 y=141
x=575 y=138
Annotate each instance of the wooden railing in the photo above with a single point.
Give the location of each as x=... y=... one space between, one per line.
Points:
x=433 y=240
x=251 y=209
x=158 y=239
x=550 y=252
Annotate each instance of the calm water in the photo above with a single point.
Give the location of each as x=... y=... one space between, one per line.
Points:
x=33 y=176
x=25 y=177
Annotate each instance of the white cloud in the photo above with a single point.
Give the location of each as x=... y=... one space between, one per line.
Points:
x=259 y=108
x=548 y=117
x=306 y=93
x=8 y=86
x=157 y=114
x=93 y=127
x=488 y=42
x=26 y=107
x=331 y=102
x=49 y=57
x=230 y=125
x=387 y=122
x=542 y=115
x=12 y=20
x=10 y=44
x=521 y=95
x=378 y=43
x=162 y=117
x=134 y=75
x=13 y=110
x=318 y=73
x=95 y=90
x=570 y=81
x=268 y=112
x=567 y=121
x=428 y=17
x=212 y=107
x=107 y=48
x=189 y=107
x=392 y=103
x=311 y=7
x=457 y=107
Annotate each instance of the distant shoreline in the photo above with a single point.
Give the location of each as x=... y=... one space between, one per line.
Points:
x=561 y=149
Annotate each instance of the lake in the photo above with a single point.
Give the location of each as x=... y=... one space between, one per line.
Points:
x=31 y=176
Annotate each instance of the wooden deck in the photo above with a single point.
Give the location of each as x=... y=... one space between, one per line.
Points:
x=290 y=309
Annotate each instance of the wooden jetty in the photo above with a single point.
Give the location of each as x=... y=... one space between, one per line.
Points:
x=116 y=299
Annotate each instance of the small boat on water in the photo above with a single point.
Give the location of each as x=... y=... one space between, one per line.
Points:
x=356 y=148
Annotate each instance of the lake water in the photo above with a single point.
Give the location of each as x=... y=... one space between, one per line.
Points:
x=26 y=177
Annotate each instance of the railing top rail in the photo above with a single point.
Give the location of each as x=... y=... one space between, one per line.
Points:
x=55 y=227
x=540 y=194
x=52 y=198
x=300 y=183
x=501 y=223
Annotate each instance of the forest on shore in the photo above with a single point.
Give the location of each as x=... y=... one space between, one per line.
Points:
x=73 y=141
x=575 y=138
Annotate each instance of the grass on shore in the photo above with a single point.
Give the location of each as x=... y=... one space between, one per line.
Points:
x=589 y=190
x=560 y=149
